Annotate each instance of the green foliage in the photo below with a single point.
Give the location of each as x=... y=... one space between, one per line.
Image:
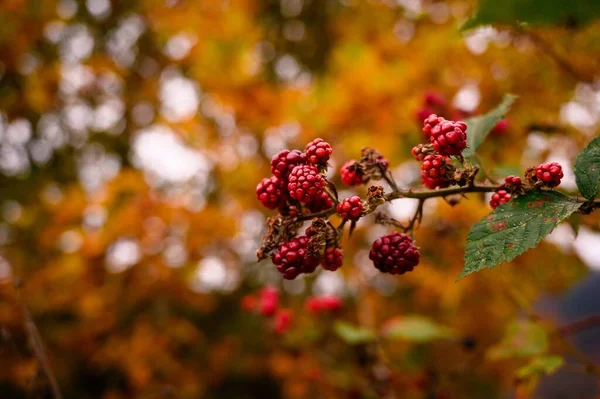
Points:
x=522 y=338
x=587 y=169
x=478 y=127
x=535 y=12
x=415 y=329
x=353 y=334
x=514 y=228
x=541 y=365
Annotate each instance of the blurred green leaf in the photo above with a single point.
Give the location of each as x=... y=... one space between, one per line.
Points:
x=515 y=227
x=522 y=338
x=540 y=366
x=478 y=127
x=415 y=329
x=353 y=334
x=587 y=169
x=536 y=12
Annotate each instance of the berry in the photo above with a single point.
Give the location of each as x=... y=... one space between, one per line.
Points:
x=270 y=192
x=499 y=197
x=333 y=259
x=268 y=301
x=430 y=122
x=435 y=99
x=318 y=152
x=322 y=203
x=501 y=127
x=292 y=258
x=248 y=302
x=323 y=304
x=305 y=184
x=513 y=181
x=394 y=254
x=283 y=163
x=283 y=321
x=350 y=208
x=351 y=174
x=550 y=173
x=433 y=171
x=448 y=137
x=418 y=152
x=423 y=113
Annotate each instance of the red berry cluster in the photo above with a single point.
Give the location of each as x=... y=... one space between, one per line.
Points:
x=292 y=258
x=499 y=197
x=394 y=253
x=320 y=305
x=266 y=303
x=318 y=152
x=433 y=171
x=350 y=208
x=351 y=174
x=549 y=173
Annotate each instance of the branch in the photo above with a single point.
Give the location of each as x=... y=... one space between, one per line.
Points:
x=579 y=325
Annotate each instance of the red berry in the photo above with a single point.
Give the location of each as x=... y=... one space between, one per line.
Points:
x=283 y=321
x=292 y=258
x=435 y=99
x=394 y=254
x=430 y=122
x=499 y=197
x=248 y=302
x=433 y=171
x=323 y=304
x=305 y=183
x=448 y=137
x=550 y=173
x=270 y=192
x=350 y=208
x=351 y=175
x=318 y=152
x=322 y=203
x=268 y=301
x=333 y=259
x=423 y=113
x=513 y=181
x=283 y=163
x=417 y=152
x=501 y=127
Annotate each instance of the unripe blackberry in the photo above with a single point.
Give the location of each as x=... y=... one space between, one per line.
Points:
x=333 y=259
x=499 y=197
x=433 y=172
x=350 y=208
x=305 y=183
x=284 y=319
x=423 y=113
x=323 y=202
x=394 y=254
x=283 y=163
x=318 y=152
x=430 y=122
x=351 y=174
x=550 y=173
x=292 y=258
x=448 y=137
x=513 y=181
x=501 y=127
x=268 y=301
x=418 y=153
x=271 y=192
x=323 y=304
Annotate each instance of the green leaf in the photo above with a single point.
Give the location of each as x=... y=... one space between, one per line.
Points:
x=478 y=127
x=353 y=334
x=587 y=169
x=541 y=365
x=522 y=338
x=415 y=329
x=535 y=12
x=515 y=227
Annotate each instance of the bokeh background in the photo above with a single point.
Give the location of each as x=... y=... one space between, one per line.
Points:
x=133 y=134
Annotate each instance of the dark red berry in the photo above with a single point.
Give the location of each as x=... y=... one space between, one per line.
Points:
x=283 y=321
x=351 y=174
x=283 y=163
x=322 y=203
x=292 y=258
x=268 y=301
x=423 y=113
x=350 y=208
x=433 y=171
x=318 y=152
x=435 y=99
x=430 y=122
x=305 y=183
x=448 y=137
x=271 y=192
x=323 y=304
x=333 y=259
x=394 y=254
x=501 y=127
x=550 y=173
x=514 y=181
x=499 y=197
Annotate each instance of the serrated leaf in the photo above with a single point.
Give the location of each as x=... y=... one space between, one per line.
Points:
x=478 y=127
x=522 y=338
x=587 y=169
x=415 y=329
x=536 y=12
x=541 y=365
x=353 y=334
x=514 y=228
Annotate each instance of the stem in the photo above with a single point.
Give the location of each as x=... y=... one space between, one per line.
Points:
x=579 y=325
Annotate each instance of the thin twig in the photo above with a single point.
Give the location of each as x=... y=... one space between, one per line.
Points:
x=579 y=325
